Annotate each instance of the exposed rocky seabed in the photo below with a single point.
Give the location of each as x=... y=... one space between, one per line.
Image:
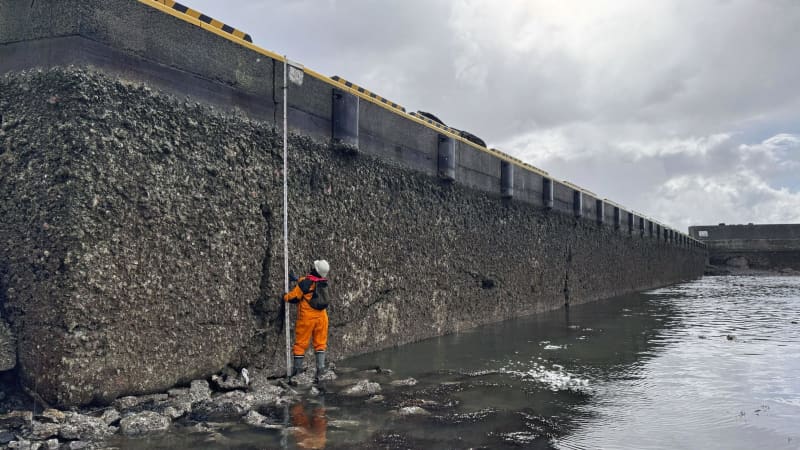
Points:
x=226 y=400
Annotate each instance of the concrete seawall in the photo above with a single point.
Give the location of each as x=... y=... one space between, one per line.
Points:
x=141 y=211
x=760 y=247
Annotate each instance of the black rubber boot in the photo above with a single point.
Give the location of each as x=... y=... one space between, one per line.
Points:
x=297 y=367
x=320 y=365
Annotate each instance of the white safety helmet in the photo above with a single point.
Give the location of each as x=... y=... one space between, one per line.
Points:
x=322 y=267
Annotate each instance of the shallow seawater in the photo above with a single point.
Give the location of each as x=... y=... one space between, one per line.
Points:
x=713 y=363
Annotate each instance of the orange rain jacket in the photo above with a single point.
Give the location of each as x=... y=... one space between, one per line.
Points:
x=311 y=324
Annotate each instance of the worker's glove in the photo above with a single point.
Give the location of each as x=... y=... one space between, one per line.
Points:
x=292 y=276
x=283 y=297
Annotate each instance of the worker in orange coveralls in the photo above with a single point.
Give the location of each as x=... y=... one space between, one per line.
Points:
x=310 y=295
x=309 y=431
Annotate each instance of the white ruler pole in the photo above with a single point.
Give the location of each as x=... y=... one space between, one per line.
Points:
x=286 y=321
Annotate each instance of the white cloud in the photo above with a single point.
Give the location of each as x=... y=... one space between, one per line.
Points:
x=778 y=158
x=696 y=180
x=688 y=146
x=740 y=197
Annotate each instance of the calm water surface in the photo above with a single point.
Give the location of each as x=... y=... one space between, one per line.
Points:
x=709 y=364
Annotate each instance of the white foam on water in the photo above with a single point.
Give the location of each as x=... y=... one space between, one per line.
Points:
x=480 y=373
x=554 y=377
x=519 y=437
x=548 y=346
x=555 y=347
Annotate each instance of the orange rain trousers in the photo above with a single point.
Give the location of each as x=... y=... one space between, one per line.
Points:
x=314 y=329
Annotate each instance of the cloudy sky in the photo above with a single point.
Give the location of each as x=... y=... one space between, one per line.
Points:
x=688 y=111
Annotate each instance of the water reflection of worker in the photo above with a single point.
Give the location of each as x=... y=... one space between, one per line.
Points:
x=310 y=431
x=310 y=295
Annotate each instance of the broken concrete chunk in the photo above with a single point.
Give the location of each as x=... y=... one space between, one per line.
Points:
x=328 y=375
x=21 y=445
x=258 y=420
x=199 y=390
x=82 y=427
x=109 y=416
x=45 y=430
x=128 y=402
x=144 y=423
x=406 y=382
x=51 y=415
x=222 y=408
x=362 y=388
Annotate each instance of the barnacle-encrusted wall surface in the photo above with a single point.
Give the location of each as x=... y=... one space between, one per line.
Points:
x=141 y=241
